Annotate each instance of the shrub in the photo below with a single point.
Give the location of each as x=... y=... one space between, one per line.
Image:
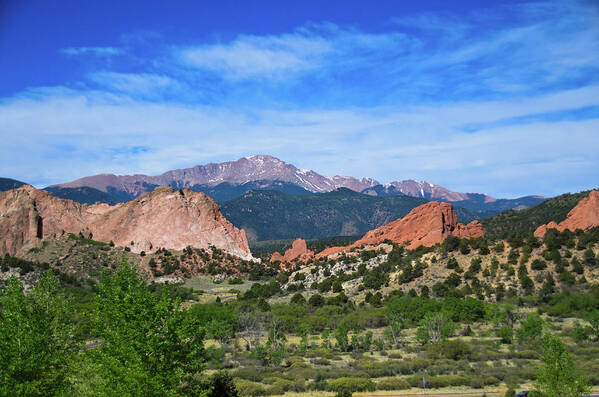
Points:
x=538 y=264
x=235 y=281
x=451 y=243
x=392 y=384
x=531 y=330
x=499 y=247
x=439 y=381
x=464 y=247
x=249 y=373
x=316 y=300
x=589 y=257
x=298 y=299
x=452 y=349
x=280 y=386
x=221 y=385
x=452 y=263
x=529 y=354
x=249 y=388
x=506 y=334
x=351 y=384
x=483 y=380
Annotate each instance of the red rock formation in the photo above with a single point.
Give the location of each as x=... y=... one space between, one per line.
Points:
x=584 y=215
x=298 y=251
x=163 y=218
x=426 y=225
x=277 y=257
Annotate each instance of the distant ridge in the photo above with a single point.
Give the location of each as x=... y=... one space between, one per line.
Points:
x=8 y=184
x=524 y=221
x=272 y=215
x=83 y=194
x=229 y=180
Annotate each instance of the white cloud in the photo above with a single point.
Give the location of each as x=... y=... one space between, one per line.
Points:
x=101 y=133
x=97 y=51
x=142 y=84
x=251 y=56
x=312 y=47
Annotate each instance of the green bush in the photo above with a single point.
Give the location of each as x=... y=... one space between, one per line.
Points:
x=235 y=281
x=351 y=384
x=255 y=374
x=298 y=299
x=483 y=380
x=280 y=386
x=506 y=334
x=538 y=264
x=316 y=300
x=529 y=354
x=221 y=385
x=439 y=381
x=452 y=349
x=249 y=388
x=392 y=384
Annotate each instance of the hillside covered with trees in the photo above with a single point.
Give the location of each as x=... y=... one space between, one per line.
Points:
x=524 y=221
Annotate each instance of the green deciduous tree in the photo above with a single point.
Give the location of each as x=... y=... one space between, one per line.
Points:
x=340 y=335
x=531 y=330
x=148 y=345
x=438 y=326
x=557 y=376
x=36 y=339
x=303 y=331
x=593 y=319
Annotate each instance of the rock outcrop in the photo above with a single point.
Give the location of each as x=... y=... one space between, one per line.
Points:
x=584 y=215
x=426 y=225
x=164 y=218
x=298 y=251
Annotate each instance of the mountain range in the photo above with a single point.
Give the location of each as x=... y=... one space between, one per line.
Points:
x=272 y=199
x=229 y=180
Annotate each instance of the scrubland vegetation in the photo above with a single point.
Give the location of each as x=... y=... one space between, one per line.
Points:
x=499 y=316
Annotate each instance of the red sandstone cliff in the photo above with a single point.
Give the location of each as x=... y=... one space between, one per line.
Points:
x=426 y=225
x=584 y=215
x=163 y=218
x=299 y=250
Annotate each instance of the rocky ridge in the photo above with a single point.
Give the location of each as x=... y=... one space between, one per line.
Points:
x=298 y=251
x=164 y=218
x=584 y=215
x=425 y=225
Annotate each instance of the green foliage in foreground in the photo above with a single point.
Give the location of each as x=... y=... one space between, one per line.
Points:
x=143 y=343
x=149 y=346
x=37 y=345
x=557 y=377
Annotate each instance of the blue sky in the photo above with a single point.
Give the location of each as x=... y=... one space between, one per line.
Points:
x=493 y=97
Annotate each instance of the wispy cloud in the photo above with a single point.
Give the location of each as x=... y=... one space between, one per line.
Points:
x=96 y=51
x=424 y=142
x=140 y=85
x=315 y=46
x=252 y=56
